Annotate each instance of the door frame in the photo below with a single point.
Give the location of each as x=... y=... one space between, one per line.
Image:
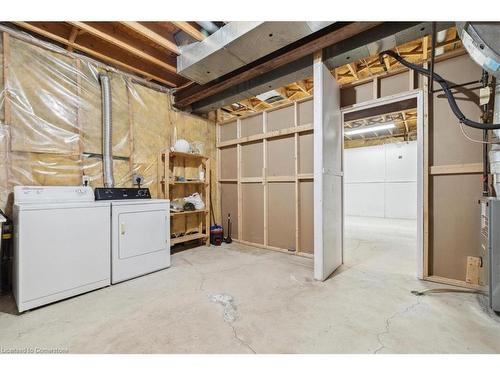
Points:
x=419 y=96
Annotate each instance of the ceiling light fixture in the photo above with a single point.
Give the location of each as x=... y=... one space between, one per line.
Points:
x=370 y=129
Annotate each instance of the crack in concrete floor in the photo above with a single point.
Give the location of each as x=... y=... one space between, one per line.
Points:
x=230 y=315
x=278 y=308
x=388 y=322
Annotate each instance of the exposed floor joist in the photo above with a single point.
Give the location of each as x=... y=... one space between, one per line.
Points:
x=103 y=51
x=415 y=51
x=405 y=122
x=151 y=35
x=105 y=32
x=189 y=29
x=147 y=48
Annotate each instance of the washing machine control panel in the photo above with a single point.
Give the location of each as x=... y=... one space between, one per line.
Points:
x=52 y=194
x=106 y=194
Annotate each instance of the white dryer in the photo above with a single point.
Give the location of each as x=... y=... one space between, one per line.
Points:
x=140 y=232
x=61 y=245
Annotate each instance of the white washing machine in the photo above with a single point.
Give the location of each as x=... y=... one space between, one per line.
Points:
x=140 y=232
x=61 y=246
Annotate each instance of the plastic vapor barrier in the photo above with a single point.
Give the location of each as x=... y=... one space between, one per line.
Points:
x=50 y=121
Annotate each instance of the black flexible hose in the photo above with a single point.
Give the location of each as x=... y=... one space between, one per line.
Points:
x=444 y=84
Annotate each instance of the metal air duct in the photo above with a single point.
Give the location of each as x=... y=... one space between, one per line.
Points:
x=210 y=27
x=237 y=44
x=107 y=143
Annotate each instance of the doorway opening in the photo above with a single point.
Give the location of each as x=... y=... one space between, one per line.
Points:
x=383 y=184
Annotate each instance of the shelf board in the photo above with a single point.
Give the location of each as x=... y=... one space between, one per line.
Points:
x=188 y=212
x=189 y=237
x=187 y=155
x=187 y=182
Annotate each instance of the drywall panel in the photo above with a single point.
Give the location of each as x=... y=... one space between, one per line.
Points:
x=364 y=199
x=306 y=216
x=306 y=158
x=305 y=112
x=448 y=144
x=281 y=215
x=252 y=125
x=280 y=156
x=376 y=178
x=228 y=131
x=356 y=94
x=364 y=164
x=401 y=200
x=229 y=206
x=251 y=159
x=401 y=161
x=455 y=224
x=328 y=173
x=252 y=196
x=228 y=162
x=395 y=84
x=282 y=118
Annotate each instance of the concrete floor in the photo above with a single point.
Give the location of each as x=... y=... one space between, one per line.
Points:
x=240 y=299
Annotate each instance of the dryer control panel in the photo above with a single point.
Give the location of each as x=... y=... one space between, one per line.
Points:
x=107 y=194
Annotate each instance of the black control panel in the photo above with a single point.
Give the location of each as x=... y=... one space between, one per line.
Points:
x=107 y=194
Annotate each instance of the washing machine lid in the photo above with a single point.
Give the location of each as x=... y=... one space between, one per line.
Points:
x=52 y=194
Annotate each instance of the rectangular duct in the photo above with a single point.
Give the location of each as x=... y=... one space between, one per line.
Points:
x=238 y=44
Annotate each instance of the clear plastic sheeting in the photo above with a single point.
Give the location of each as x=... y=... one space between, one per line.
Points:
x=43 y=100
x=51 y=123
x=4 y=165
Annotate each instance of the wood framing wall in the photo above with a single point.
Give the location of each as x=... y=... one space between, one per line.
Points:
x=452 y=165
x=266 y=177
x=251 y=170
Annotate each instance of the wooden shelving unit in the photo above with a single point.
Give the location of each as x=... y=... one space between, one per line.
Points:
x=186 y=225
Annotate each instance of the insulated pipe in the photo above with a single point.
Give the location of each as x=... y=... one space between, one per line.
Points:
x=210 y=27
x=107 y=144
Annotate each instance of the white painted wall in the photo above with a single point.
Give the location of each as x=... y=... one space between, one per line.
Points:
x=381 y=181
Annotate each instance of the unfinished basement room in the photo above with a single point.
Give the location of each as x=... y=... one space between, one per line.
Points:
x=249 y=187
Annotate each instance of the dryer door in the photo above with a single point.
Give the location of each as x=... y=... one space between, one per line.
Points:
x=133 y=227
x=140 y=240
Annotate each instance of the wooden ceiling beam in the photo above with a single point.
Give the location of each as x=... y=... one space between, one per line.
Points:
x=152 y=36
x=353 y=70
x=196 y=92
x=127 y=46
x=105 y=53
x=72 y=38
x=189 y=29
